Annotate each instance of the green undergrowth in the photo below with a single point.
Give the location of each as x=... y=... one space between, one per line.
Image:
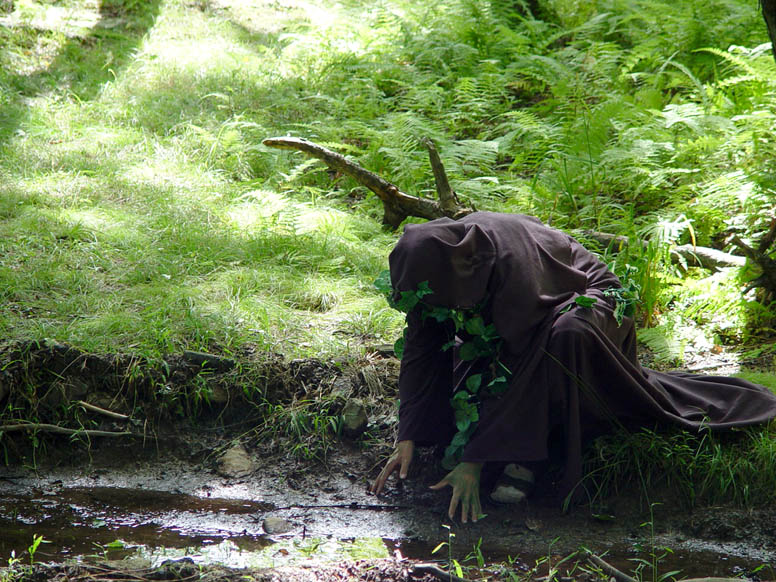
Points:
x=703 y=468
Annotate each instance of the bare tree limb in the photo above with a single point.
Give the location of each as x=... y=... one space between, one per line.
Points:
x=694 y=256
x=768 y=238
x=607 y=568
x=397 y=205
x=447 y=197
x=42 y=427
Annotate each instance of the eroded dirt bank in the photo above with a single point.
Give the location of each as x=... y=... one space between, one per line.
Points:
x=163 y=492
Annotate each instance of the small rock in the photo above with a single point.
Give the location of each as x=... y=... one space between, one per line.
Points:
x=219 y=395
x=276 y=525
x=236 y=462
x=354 y=418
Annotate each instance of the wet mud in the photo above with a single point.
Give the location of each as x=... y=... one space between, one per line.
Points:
x=162 y=507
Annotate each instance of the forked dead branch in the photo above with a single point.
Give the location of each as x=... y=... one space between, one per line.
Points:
x=398 y=205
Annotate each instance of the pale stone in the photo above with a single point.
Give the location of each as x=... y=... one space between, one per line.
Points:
x=277 y=525
x=236 y=462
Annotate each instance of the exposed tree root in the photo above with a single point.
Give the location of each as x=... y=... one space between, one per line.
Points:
x=43 y=427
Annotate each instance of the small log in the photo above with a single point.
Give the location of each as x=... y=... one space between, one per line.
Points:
x=397 y=205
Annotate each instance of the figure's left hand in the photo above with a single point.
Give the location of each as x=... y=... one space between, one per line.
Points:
x=465 y=481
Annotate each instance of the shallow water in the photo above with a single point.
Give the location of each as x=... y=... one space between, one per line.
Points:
x=110 y=523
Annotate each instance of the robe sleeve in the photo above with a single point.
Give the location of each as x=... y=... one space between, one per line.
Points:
x=425 y=383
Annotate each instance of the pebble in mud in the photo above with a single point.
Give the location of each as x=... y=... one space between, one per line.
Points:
x=236 y=462
x=276 y=525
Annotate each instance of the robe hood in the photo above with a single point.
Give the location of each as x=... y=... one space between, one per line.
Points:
x=455 y=258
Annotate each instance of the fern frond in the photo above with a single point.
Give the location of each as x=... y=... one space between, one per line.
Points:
x=730 y=58
x=662 y=343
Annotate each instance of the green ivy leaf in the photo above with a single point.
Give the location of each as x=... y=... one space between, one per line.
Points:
x=439 y=314
x=468 y=351
x=498 y=385
x=463 y=424
x=383 y=283
x=585 y=301
x=407 y=301
x=473 y=383
x=475 y=326
x=398 y=346
x=423 y=289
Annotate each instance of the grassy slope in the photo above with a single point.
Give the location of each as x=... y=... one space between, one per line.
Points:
x=139 y=211
x=132 y=215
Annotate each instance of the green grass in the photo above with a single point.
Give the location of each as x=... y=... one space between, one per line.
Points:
x=138 y=210
x=704 y=468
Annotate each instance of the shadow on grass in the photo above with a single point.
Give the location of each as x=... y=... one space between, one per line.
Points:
x=83 y=63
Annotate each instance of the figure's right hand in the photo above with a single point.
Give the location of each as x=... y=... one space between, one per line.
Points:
x=399 y=459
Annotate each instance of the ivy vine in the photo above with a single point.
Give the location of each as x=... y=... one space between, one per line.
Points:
x=478 y=341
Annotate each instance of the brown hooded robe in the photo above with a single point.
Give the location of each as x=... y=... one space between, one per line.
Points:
x=572 y=370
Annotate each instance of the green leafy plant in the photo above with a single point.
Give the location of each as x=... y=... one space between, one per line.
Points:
x=452 y=563
x=655 y=555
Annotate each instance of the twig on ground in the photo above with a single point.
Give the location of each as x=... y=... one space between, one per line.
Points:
x=99 y=410
x=43 y=427
x=606 y=567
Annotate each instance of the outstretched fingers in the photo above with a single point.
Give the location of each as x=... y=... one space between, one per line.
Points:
x=390 y=467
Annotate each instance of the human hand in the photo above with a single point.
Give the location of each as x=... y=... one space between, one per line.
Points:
x=465 y=481
x=399 y=459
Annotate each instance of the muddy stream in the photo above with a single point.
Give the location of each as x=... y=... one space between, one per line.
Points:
x=286 y=514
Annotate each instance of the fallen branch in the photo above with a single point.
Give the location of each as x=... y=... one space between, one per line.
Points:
x=447 y=198
x=606 y=567
x=42 y=427
x=397 y=205
x=759 y=256
x=692 y=255
x=437 y=572
x=99 y=410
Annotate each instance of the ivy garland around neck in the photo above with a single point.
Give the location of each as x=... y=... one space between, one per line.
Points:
x=480 y=341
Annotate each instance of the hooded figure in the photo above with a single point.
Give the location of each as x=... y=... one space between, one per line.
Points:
x=573 y=369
